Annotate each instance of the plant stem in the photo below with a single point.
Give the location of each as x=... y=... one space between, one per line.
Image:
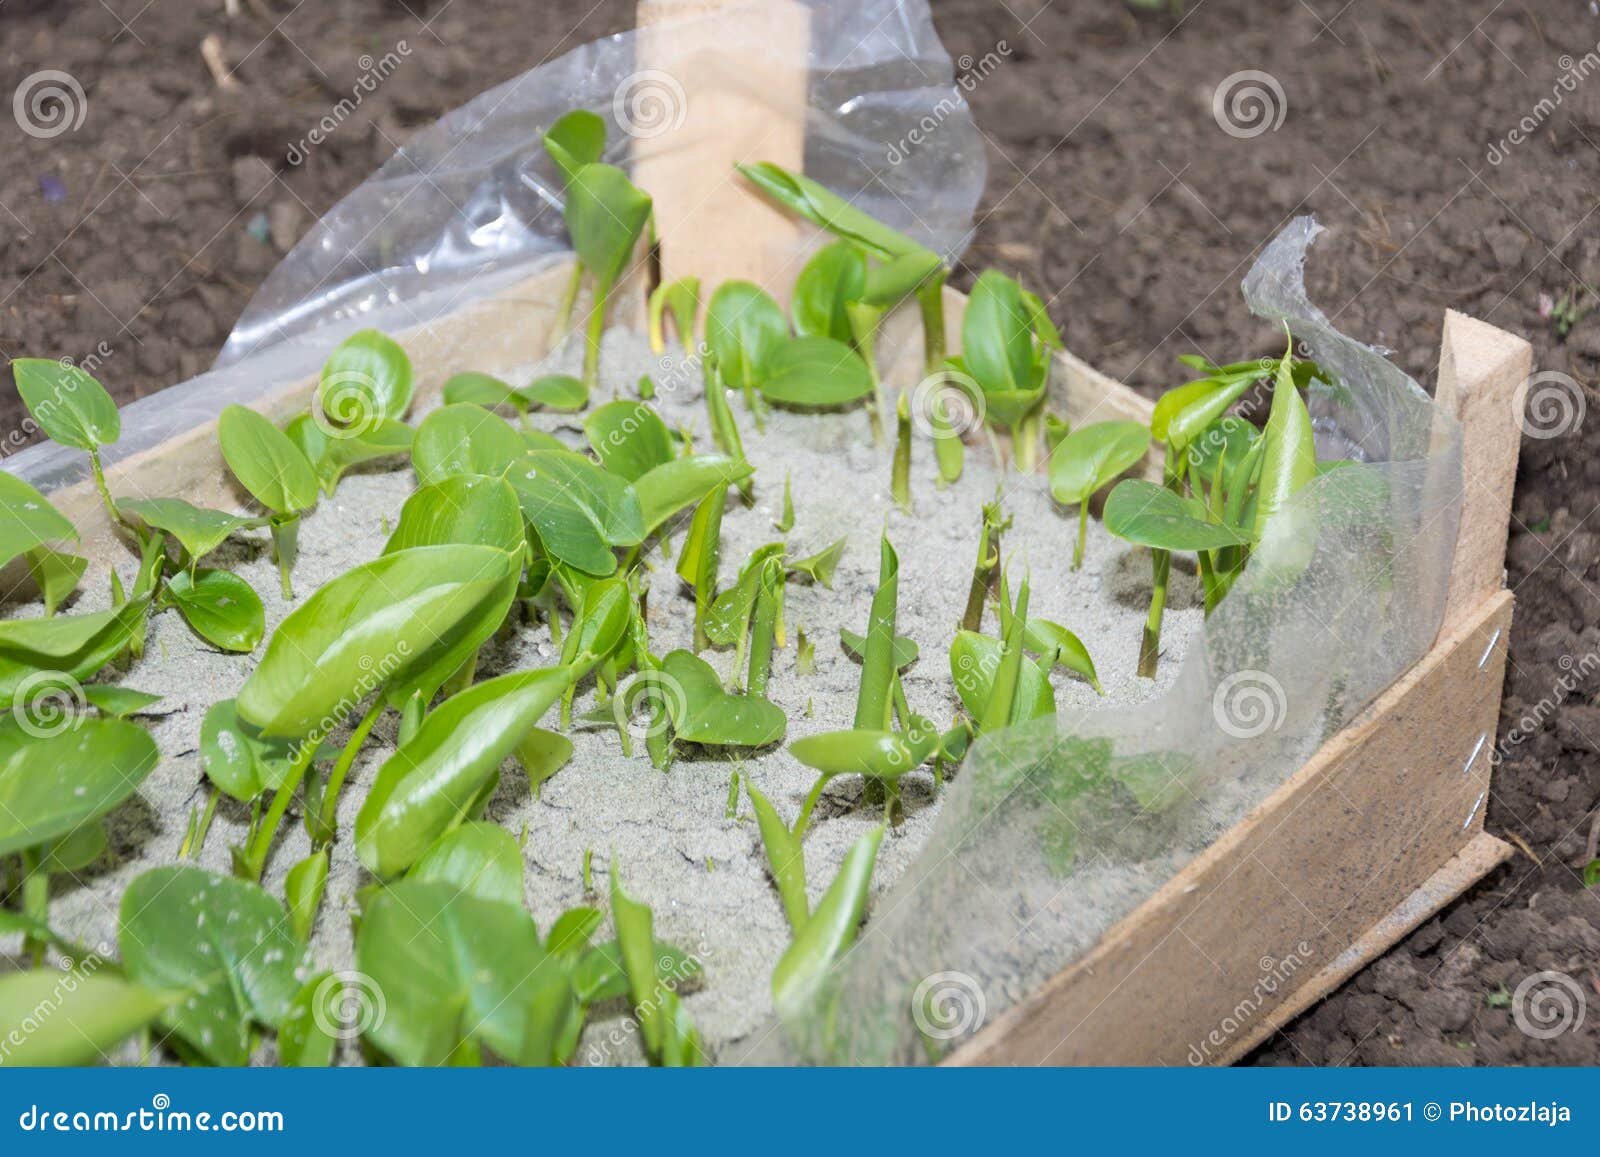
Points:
x=105 y=490
x=249 y=861
x=763 y=632
x=930 y=298
x=1150 y=644
x=35 y=899
x=196 y=840
x=569 y=298
x=810 y=805
x=323 y=832
x=285 y=545
x=1083 y=530
x=592 y=335
x=900 y=485
x=983 y=571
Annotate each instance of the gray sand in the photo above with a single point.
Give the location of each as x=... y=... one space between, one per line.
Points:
x=703 y=874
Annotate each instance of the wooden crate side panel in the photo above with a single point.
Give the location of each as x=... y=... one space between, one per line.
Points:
x=1231 y=938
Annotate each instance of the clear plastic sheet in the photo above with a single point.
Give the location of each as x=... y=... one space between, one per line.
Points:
x=1054 y=831
x=472 y=204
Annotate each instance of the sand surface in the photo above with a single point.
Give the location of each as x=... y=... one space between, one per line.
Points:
x=703 y=873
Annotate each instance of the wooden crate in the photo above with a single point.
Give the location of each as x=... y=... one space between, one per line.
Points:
x=1379 y=830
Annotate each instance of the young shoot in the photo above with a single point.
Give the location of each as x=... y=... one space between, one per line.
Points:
x=1007 y=341
x=1089 y=458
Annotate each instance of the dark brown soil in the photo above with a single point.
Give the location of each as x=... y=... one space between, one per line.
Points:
x=136 y=240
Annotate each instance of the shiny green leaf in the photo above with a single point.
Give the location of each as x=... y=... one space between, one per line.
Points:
x=69 y=405
x=222 y=608
x=1150 y=515
x=267 y=464
x=59 y=772
x=463 y=439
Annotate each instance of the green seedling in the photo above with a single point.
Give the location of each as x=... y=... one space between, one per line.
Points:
x=702 y=712
x=73 y=409
x=277 y=475
x=753 y=352
x=197 y=530
x=873 y=748
x=96 y=1011
x=302 y=890
x=785 y=522
x=900 y=482
x=1222 y=483
x=697 y=562
x=606 y=215
x=1007 y=341
x=828 y=932
x=681 y=299
x=58 y=776
x=903 y=267
x=986 y=570
x=1089 y=458
x=388 y=631
x=579 y=511
x=574 y=140
x=224 y=946
x=670 y=1038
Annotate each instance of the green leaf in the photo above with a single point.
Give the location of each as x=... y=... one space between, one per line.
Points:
x=1043 y=637
x=222 y=942
x=834 y=278
x=561 y=392
x=575 y=140
x=330 y=457
x=69 y=405
x=905 y=650
x=76 y=850
x=236 y=759
x=974 y=667
x=785 y=859
x=463 y=439
x=1091 y=456
x=677 y=485
x=543 y=753
x=304 y=1038
x=476 y=389
x=1150 y=515
x=630 y=439
x=302 y=888
x=55 y=574
x=885 y=755
x=27 y=520
x=452 y=967
x=819 y=567
x=119 y=702
x=223 y=609
x=1289 y=459
x=600 y=621
x=680 y=298
x=69 y=771
x=404 y=621
x=267 y=464
x=365 y=381
x=462 y=509
x=702 y=712
x=579 y=510
x=730 y=611
x=829 y=932
x=743 y=326
x=91 y=1013
x=477 y=859
x=814 y=371
x=892 y=281
x=427 y=786
x=605 y=214
x=821 y=206
x=198 y=530
x=1182 y=413
x=877 y=657
x=669 y=1036
x=71 y=647
x=997 y=337
x=1223 y=445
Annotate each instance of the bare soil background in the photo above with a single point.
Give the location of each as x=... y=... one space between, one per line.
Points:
x=137 y=238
